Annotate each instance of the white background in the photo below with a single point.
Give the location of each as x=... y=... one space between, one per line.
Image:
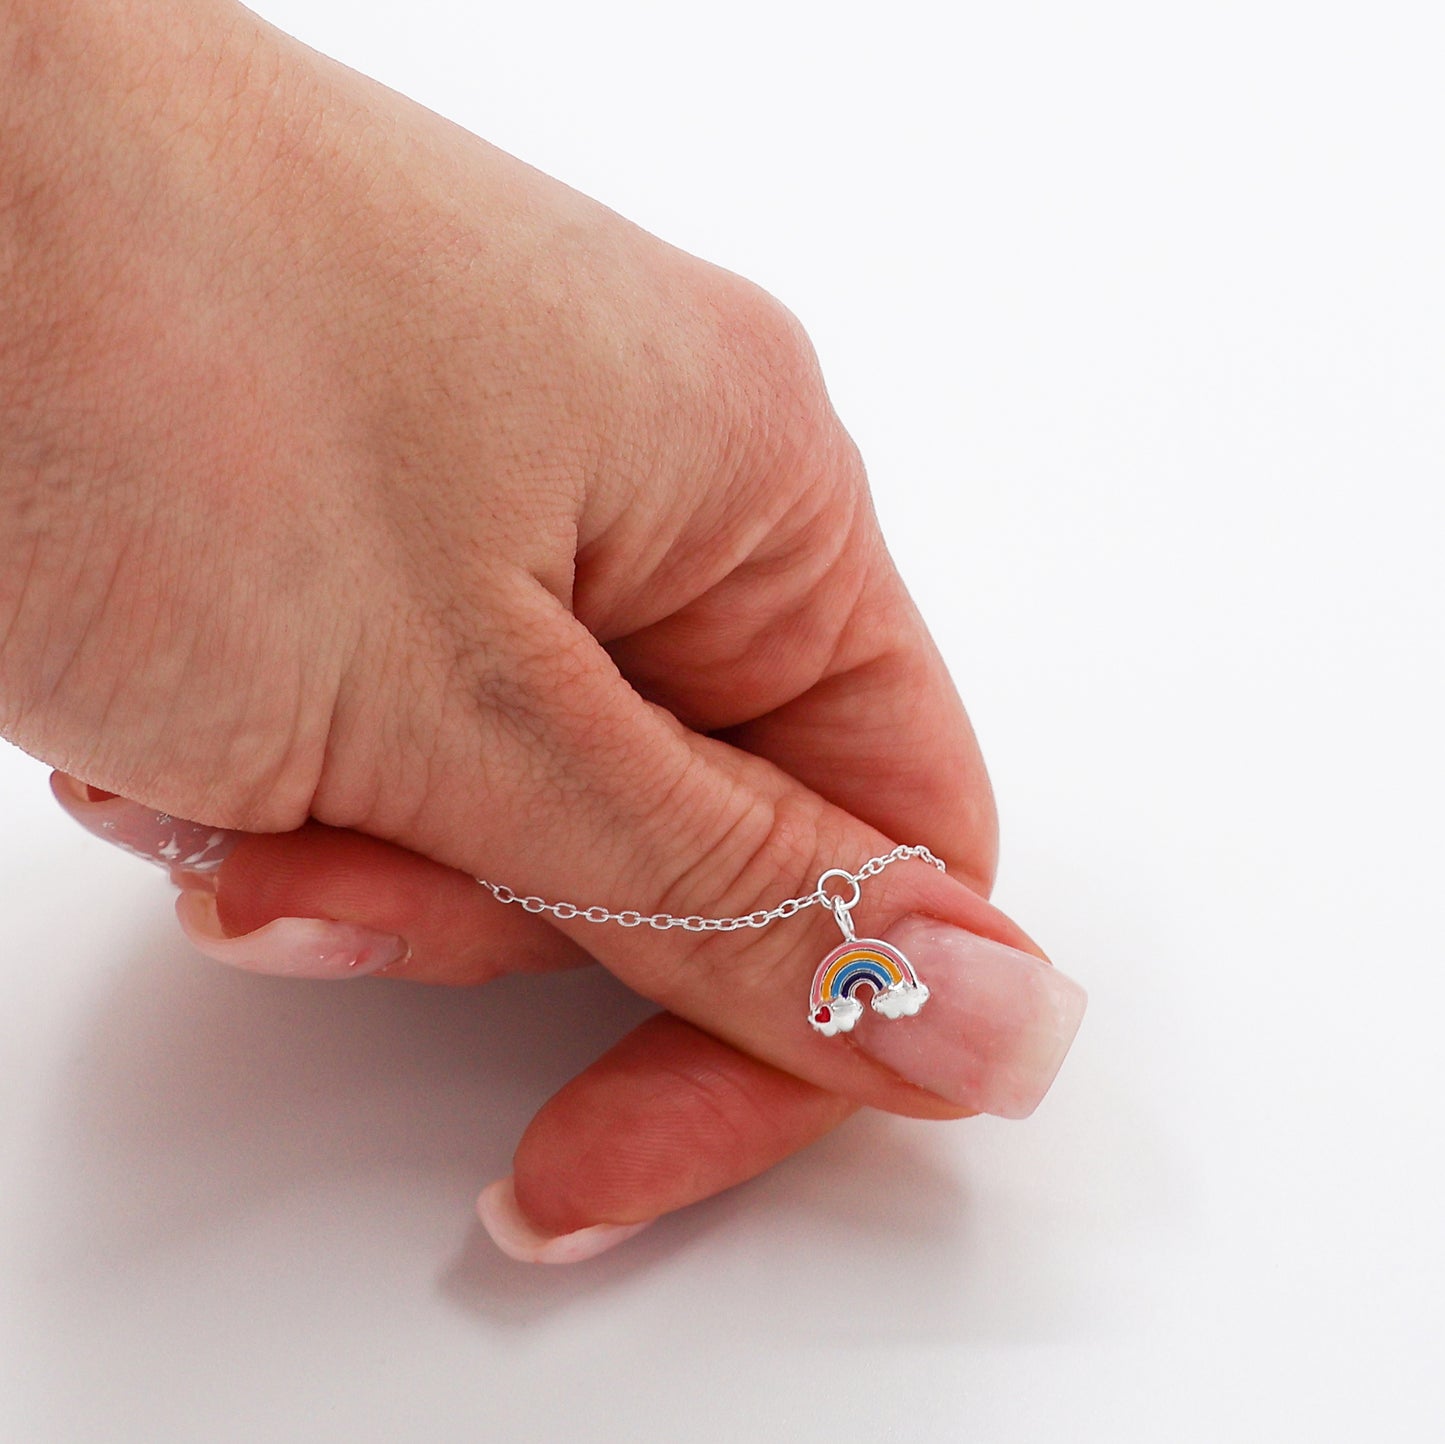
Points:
x=1138 y=312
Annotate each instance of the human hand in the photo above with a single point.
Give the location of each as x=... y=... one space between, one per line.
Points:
x=404 y=516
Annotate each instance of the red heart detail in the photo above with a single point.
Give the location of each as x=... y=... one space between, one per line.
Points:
x=823 y=1015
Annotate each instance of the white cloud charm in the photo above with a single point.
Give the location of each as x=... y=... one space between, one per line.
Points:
x=838 y=1016
x=902 y=1000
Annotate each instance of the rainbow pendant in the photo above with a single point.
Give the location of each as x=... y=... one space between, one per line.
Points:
x=863 y=963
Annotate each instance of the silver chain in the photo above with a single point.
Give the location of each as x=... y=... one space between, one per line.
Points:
x=629 y=918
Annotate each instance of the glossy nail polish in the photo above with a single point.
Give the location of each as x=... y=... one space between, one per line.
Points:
x=289 y=947
x=995 y=1029
x=184 y=849
x=518 y=1238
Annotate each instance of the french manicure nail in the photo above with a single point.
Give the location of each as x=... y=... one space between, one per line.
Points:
x=518 y=1238
x=996 y=1026
x=289 y=947
x=185 y=849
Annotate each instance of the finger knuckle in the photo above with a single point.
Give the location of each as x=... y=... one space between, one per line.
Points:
x=751 y=855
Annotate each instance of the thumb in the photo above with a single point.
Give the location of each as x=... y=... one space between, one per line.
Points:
x=595 y=797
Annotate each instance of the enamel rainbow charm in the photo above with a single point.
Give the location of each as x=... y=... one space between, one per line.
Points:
x=859 y=964
x=863 y=963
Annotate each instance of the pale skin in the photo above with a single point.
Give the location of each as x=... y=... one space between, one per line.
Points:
x=372 y=495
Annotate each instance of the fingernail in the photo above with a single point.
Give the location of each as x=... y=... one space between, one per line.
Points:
x=996 y=1026
x=184 y=849
x=519 y=1239
x=289 y=947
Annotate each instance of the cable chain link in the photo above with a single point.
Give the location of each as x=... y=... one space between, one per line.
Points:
x=631 y=918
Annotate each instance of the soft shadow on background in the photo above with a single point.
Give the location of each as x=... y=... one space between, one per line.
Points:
x=197 y=1096
x=246 y=1203
x=197 y=1106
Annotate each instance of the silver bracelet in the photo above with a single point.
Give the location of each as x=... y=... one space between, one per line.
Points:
x=855 y=964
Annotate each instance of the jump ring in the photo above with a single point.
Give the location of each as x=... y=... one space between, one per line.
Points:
x=829 y=900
